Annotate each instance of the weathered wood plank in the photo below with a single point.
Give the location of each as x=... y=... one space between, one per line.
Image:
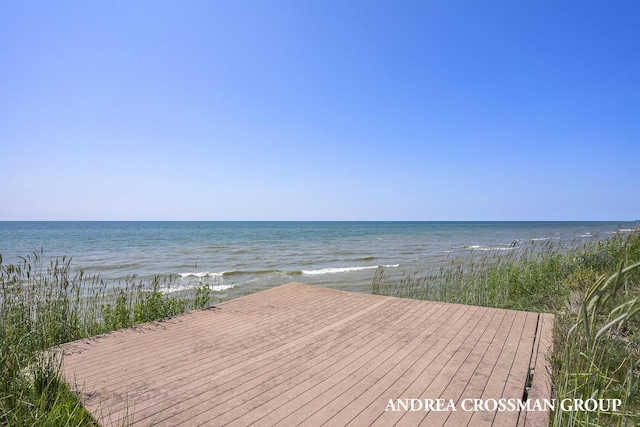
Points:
x=306 y=355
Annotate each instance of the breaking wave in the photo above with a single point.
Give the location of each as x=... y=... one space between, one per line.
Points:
x=489 y=248
x=215 y=288
x=333 y=270
x=201 y=274
x=225 y=274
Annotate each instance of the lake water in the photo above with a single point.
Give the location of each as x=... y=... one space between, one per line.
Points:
x=249 y=256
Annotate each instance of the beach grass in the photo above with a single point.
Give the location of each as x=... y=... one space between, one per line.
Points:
x=592 y=288
x=45 y=305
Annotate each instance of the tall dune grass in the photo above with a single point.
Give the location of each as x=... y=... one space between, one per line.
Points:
x=598 y=357
x=592 y=288
x=42 y=306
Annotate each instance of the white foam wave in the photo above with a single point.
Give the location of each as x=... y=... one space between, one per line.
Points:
x=219 y=288
x=172 y=289
x=489 y=248
x=333 y=270
x=201 y=274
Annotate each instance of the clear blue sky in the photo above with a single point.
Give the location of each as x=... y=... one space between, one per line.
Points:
x=319 y=110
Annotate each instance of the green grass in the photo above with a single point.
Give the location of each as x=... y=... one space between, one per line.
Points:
x=592 y=288
x=43 y=306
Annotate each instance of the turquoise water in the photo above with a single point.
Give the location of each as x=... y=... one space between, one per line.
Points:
x=248 y=256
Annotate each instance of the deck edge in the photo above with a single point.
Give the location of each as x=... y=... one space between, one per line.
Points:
x=541 y=366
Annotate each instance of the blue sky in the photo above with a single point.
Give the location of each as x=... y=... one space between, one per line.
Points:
x=319 y=110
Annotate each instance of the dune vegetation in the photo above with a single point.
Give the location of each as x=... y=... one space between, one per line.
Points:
x=43 y=306
x=592 y=288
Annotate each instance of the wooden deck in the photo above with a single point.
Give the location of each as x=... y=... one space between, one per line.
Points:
x=307 y=355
